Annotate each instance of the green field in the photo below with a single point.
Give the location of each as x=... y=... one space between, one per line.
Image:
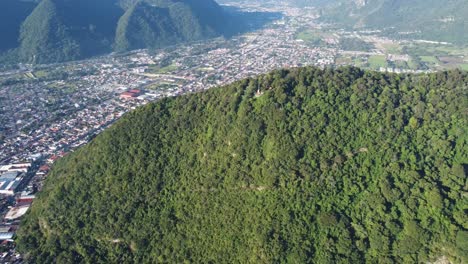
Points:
x=377 y=61
x=392 y=48
x=41 y=74
x=429 y=59
x=419 y=49
x=359 y=62
x=464 y=67
x=310 y=37
x=65 y=88
x=161 y=70
x=413 y=65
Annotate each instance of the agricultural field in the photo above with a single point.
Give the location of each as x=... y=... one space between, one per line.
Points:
x=41 y=74
x=392 y=48
x=430 y=59
x=310 y=36
x=464 y=67
x=377 y=61
x=162 y=70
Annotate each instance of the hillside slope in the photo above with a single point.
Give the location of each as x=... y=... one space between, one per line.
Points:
x=59 y=30
x=299 y=166
x=160 y=23
x=142 y=26
x=12 y=14
x=62 y=30
x=433 y=20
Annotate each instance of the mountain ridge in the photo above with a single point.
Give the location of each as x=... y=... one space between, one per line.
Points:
x=63 y=30
x=303 y=166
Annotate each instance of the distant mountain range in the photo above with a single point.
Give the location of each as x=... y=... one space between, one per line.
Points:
x=438 y=20
x=61 y=30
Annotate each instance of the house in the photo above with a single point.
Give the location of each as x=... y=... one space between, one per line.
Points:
x=131 y=94
x=9 y=182
x=25 y=199
x=20 y=167
x=16 y=212
x=52 y=159
x=6 y=236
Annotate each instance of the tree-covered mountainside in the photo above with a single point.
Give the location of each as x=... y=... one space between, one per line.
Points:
x=142 y=26
x=62 y=30
x=59 y=30
x=298 y=166
x=43 y=35
x=433 y=20
x=160 y=23
x=12 y=14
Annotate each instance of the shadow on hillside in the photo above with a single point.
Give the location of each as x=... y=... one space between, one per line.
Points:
x=242 y=21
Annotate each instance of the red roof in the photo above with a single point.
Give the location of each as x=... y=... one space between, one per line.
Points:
x=53 y=158
x=44 y=168
x=127 y=94
x=23 y=202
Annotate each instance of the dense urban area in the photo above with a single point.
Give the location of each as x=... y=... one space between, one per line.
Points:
x=47 y=111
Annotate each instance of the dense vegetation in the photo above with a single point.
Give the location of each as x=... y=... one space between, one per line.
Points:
x=12 y=14
x=144 y=25
x=44 y=36
x=62 y=30
x=302 y=165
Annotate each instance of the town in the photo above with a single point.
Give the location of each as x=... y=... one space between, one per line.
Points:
x=48 y=111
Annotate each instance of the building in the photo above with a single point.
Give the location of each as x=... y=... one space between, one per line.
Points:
x=6 y=236
x=16 y=212
x=131 y=94
x=24 y=200
x=52 y=159
x=21 y=167
x=9 y=182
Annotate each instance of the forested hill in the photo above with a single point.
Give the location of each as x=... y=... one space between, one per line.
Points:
x=63 y=30
x=299 y=166
x=153 y=26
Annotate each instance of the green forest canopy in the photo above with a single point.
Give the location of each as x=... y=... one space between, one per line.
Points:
x=296 y=166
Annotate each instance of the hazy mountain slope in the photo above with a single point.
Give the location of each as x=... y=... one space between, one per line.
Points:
x=44 y=37
x=144 y=26
x=12 y=14
x=210 y=15
x=159 y=23
x=61 y=30
x=300 y=166
x=436 y=20
x=433 y=19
